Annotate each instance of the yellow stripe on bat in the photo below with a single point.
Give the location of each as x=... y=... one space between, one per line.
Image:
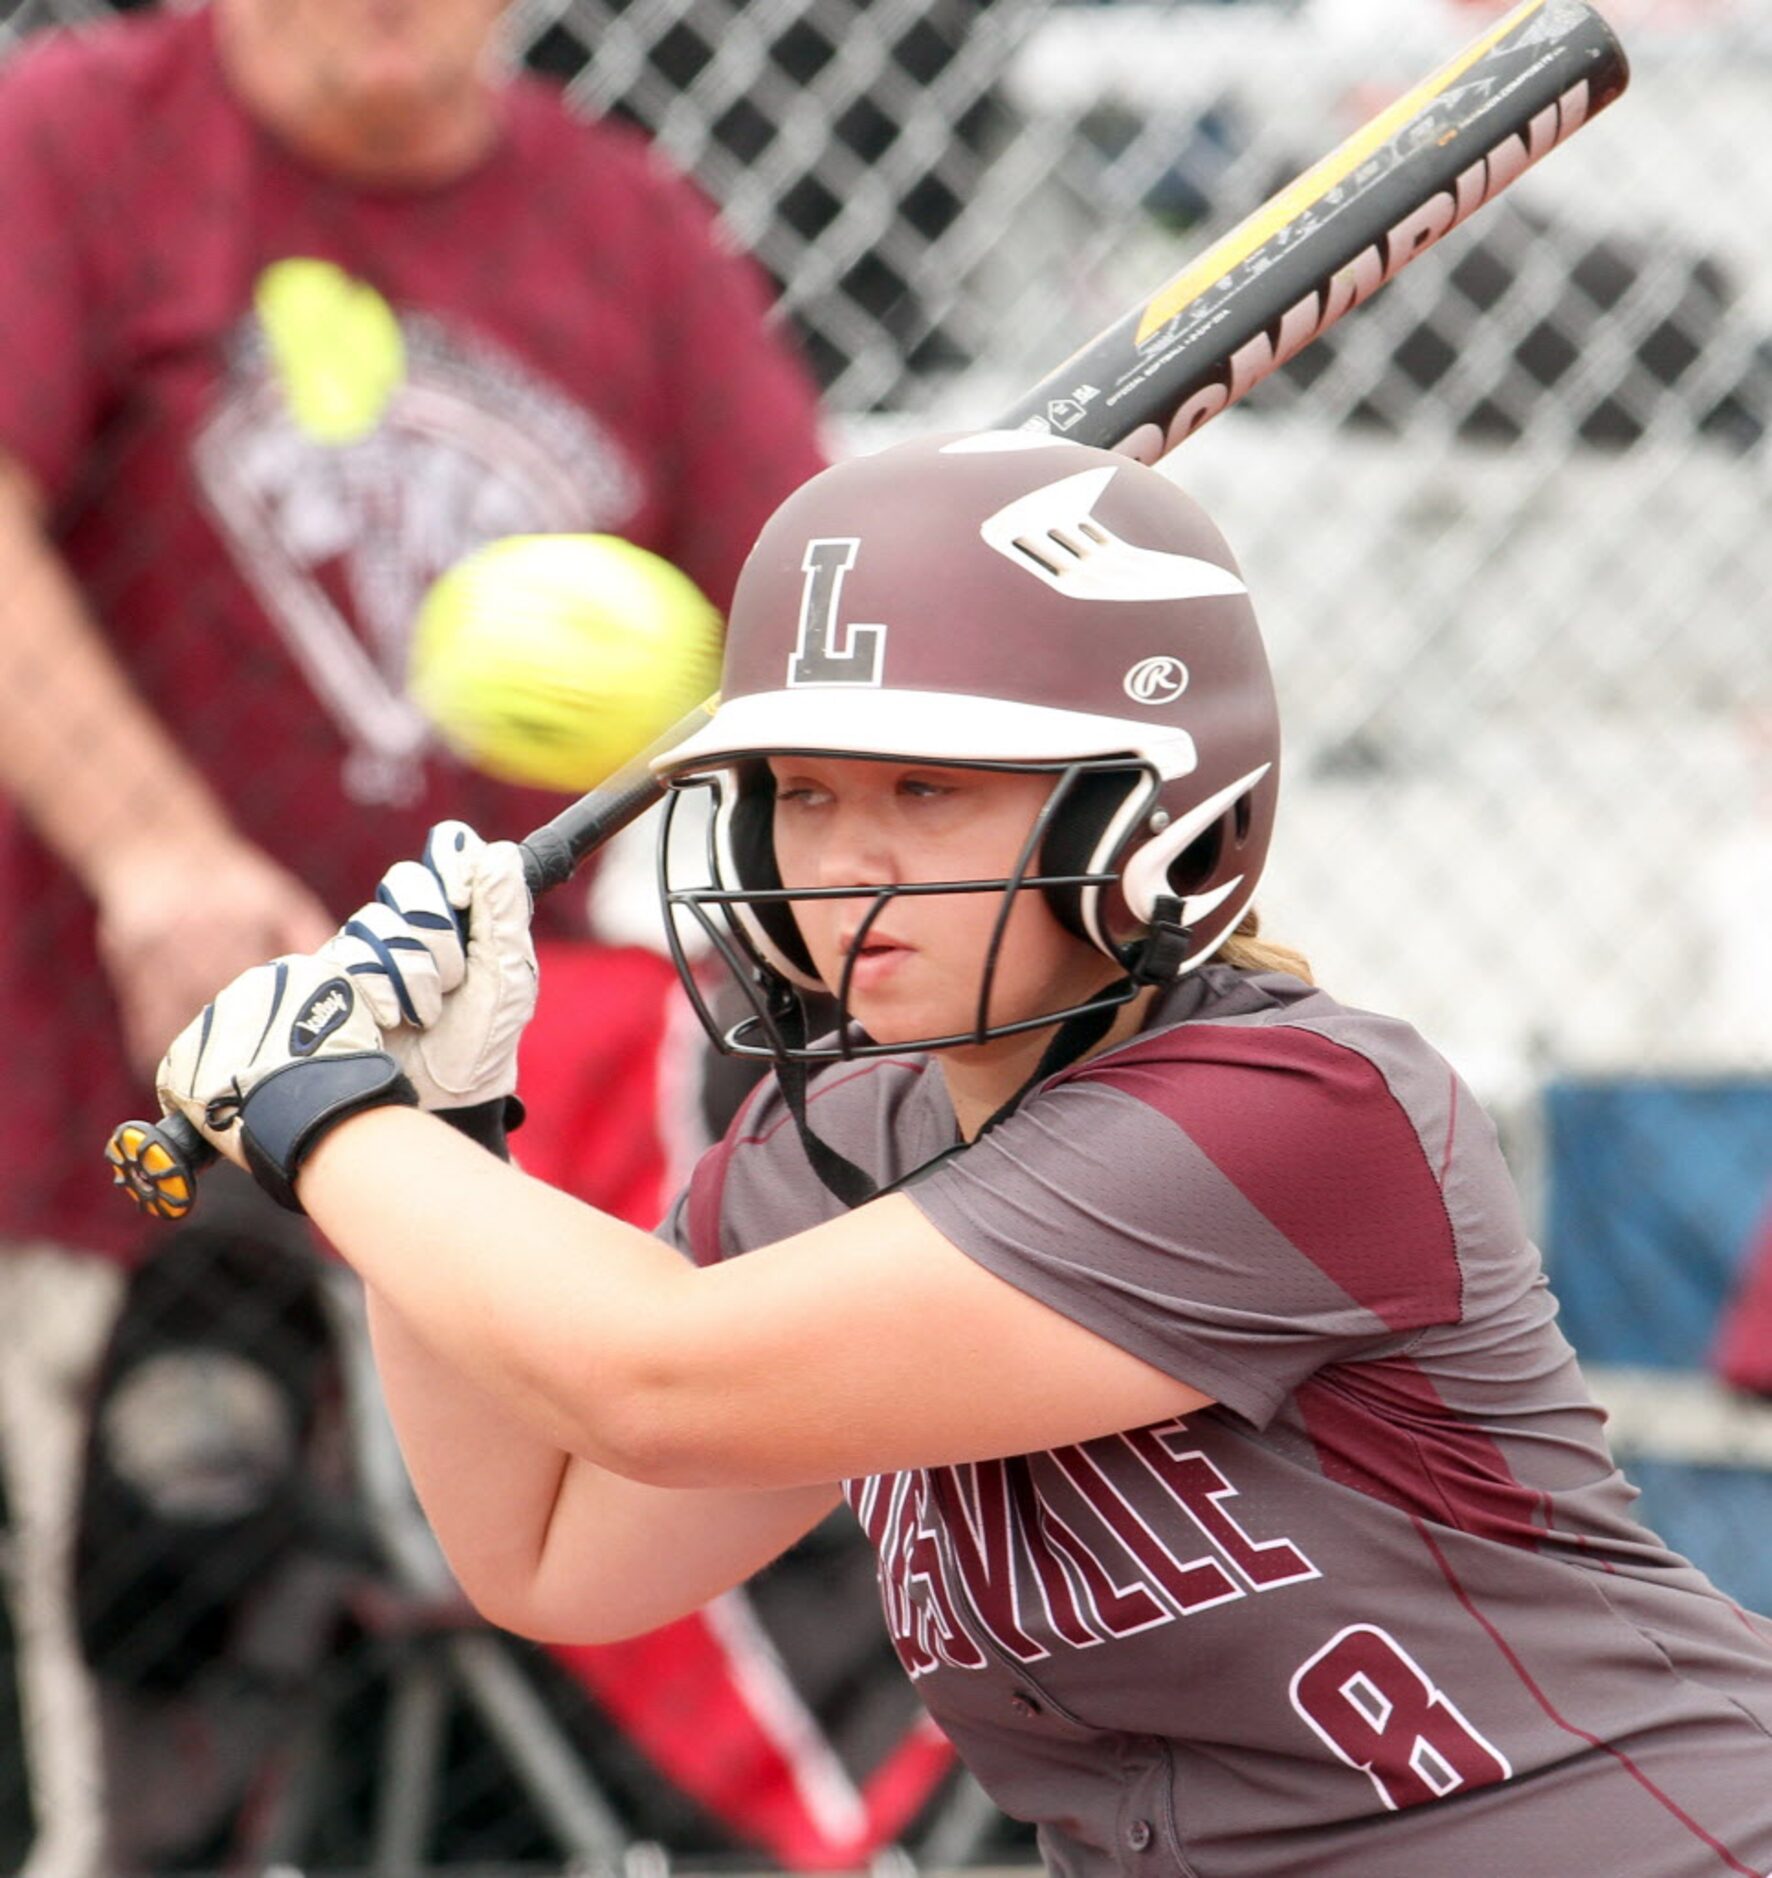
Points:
x=1317 y=181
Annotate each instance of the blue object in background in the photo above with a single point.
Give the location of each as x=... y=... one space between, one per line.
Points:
x=1718 y=1517
x=1655 y=1186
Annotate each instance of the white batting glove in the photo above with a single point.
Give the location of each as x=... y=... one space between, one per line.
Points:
x=283 y=1053
x=443 y=957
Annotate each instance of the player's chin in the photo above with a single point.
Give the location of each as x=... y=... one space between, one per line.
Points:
x=894 y=1017
x=910 y=1022
x=885 y=1022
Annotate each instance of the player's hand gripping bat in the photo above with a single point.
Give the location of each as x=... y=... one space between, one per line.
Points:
x=1254 y=300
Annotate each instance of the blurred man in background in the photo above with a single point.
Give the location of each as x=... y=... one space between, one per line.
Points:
x=302 y=300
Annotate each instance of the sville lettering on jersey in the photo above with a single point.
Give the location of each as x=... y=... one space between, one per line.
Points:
x=1111 y=1575
x=1015 y=1565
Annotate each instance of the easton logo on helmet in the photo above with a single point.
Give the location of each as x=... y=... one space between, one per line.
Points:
x=1158 y=680
x=826 y=651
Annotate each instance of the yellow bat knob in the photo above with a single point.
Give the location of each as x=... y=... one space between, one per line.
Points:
x=156 y=1164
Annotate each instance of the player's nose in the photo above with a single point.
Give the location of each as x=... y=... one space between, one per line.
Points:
x=856 y=849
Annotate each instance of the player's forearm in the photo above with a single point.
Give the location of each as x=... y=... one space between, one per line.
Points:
x=487 y=1483
x=558 y=1313
x=79 y=751
x=551 y=1546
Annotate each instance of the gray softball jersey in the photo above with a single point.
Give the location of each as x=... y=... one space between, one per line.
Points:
x=1381 y=1612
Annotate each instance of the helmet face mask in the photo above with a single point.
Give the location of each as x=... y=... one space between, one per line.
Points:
x=745 y=915
x=1000 y=602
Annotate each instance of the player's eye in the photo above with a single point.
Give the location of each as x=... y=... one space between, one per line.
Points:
x=796 y=793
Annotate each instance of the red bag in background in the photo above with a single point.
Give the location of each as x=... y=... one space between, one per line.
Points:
x=1742 y=1353
x=610 y=1071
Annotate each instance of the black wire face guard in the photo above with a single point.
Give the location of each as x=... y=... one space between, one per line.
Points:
x=772 y=1032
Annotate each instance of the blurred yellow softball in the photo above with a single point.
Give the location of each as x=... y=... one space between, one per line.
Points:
x=553 y=659
x=335 y=344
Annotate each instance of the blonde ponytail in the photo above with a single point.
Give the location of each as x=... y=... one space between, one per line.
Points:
x=1249 y=952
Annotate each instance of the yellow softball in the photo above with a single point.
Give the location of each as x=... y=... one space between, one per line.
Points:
x=553 y=659
x=335 y=345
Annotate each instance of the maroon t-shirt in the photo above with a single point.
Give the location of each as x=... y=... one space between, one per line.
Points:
x=577 y=350
x=1383 y=1610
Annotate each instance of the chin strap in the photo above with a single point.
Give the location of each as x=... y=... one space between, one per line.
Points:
x=853 y=1185
x=1158 y=961
x=1163 y=950
x=1074 y=1038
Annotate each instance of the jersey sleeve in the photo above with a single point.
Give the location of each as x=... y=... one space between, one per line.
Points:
x=673 y=1229
x=1238 y=1206
x=746 y=424
x=49 y=342
x=701 y=1222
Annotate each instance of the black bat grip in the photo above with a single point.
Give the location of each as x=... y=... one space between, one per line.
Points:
x=553 y=851
x=183 y=1132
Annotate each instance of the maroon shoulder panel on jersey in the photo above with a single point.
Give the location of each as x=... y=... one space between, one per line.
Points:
x=1314 y=1138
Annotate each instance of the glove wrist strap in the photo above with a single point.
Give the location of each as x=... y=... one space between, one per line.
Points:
x=287 y=1114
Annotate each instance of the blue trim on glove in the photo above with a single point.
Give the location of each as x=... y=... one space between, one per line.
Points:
x=289 y=1113
x=385 y=964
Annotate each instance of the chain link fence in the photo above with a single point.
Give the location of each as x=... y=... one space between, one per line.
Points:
x=1507 y=529
x=1503 y=525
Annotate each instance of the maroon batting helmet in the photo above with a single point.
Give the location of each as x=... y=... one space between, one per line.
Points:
x=1012 y=600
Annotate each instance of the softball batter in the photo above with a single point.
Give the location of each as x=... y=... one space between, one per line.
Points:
x=1171 y=1328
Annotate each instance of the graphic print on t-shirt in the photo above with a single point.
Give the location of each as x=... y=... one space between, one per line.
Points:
x=354 y=454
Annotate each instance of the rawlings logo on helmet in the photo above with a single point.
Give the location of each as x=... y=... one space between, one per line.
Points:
x=1160 y=679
